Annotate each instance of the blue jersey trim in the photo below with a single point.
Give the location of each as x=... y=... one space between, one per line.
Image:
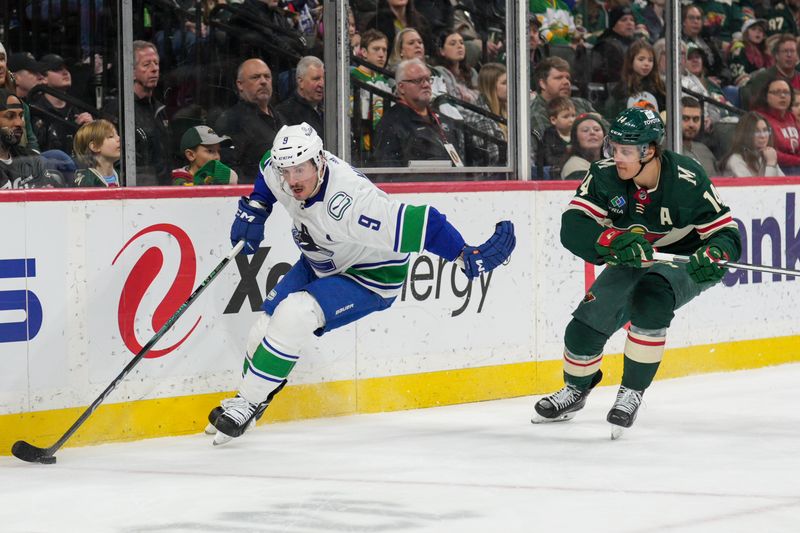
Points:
x=398 y=227
x=383 y=263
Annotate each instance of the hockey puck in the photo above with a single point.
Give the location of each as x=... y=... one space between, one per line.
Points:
x=47 y=459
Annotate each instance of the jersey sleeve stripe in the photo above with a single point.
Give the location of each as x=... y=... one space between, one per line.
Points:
x=398 y=228
x=415 y=221
x=706 y=230
x=588 y=208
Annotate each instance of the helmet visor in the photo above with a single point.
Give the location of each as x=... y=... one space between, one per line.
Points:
x=623 y=153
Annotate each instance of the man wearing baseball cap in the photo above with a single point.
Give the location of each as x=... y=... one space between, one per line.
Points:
x=54 y=135
x=201 y=148
x=28 y=73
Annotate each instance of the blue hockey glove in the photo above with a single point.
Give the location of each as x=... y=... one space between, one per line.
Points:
x=249 y=224
x=703 y=265
x=492 y=253
x=618 y=247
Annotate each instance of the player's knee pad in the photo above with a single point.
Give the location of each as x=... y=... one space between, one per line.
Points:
x=294 y=321
x=257 y=332
x=584 y=340
x=652 y=303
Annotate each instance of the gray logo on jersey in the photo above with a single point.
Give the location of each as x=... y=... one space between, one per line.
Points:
x=338 y=205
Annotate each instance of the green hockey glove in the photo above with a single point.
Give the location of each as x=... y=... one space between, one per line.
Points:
x=704 y=266
x=624 y=248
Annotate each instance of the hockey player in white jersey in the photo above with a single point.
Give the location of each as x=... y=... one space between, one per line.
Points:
x=355 y=243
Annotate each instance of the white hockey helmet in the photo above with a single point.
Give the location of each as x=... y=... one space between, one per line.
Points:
x=296 y=144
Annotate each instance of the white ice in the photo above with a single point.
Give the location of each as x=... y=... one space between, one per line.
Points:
x=712 y=453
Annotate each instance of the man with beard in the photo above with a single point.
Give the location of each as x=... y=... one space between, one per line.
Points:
x=19 y=168
x=690 y=125
x=252 y=122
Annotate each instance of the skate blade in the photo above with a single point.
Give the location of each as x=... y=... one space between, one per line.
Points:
x=617 y=432
x=221 y=438
x=539 y=419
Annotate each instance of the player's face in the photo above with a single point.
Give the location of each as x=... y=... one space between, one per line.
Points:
x=301 y=179
x=643 y=63
x=626 y=157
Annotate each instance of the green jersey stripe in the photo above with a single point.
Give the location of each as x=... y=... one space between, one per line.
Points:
x=415 y=221
x=389 y=274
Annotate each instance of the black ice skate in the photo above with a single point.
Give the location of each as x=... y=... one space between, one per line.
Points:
x=564 y=404
x=623 y=412
x=213 y=417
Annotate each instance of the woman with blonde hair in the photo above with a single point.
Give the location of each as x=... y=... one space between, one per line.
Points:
x=493 y=97
x=97 y=148
x=408 y=44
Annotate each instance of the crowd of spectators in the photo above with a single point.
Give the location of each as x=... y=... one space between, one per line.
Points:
x=212 y=86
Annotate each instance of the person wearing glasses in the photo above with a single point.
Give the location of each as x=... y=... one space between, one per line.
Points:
x=751 y=153
x=774 y=103
x=784 y=51
x=410 y=130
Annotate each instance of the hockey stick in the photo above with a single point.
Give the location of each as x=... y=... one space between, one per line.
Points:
x=671 y=258
x=34 y=454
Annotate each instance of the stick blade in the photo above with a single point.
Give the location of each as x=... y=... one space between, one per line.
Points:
x=32 y=454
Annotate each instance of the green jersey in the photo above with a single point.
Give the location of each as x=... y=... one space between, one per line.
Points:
x=681 y=214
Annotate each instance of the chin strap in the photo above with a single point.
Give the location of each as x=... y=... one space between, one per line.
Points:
x=643 y=164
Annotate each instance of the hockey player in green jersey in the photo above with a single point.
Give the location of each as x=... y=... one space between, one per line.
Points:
x=638 y=198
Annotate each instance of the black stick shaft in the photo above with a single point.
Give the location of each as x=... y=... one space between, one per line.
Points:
x=146 y=348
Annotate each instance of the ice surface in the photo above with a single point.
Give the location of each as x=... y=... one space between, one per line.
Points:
x=712 y=453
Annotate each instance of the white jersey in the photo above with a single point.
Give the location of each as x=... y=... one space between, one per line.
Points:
x=352 y=228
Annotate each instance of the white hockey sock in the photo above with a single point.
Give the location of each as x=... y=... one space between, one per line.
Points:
x=292 y=325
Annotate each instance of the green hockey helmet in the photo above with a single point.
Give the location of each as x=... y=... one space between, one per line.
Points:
x=637 y=126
